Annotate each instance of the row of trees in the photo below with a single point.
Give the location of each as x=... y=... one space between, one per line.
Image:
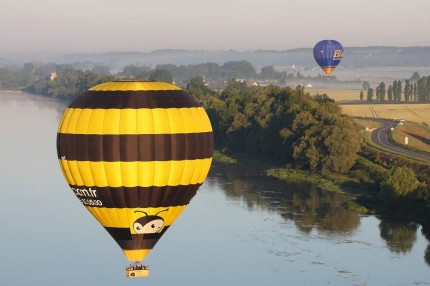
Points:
x=62 y=80
x=285 y=124
x=418 y=91
x=69 y=82
x=215 y=74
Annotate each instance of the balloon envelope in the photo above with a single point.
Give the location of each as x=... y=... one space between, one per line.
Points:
x=328 y=54
x=134 y=154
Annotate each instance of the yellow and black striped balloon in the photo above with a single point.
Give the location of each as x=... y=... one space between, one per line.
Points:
x=135 y=153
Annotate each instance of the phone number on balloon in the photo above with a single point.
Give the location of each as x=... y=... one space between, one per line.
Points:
x=88 y=202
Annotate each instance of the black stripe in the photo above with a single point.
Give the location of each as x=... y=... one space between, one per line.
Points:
x=135 y=147
x=136 y=197
x=129 y=241
x=135 y=99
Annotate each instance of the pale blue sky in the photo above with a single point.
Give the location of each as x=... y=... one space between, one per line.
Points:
x=55 y=26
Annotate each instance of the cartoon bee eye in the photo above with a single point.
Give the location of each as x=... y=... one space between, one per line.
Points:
x=153 y=226
x=149 y=223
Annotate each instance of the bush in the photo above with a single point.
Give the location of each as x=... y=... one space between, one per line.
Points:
x=398 y=184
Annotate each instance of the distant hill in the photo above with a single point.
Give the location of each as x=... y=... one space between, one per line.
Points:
x=355 y=57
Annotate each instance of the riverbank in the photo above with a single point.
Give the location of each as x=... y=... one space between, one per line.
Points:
x=332 y=182
x=362 y=183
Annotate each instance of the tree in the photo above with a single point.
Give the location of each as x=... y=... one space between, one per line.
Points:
x=370 y=94
x=366 y=85
x=377 y=93
x=198 y=88
x=135 y=72
x=269 y=72
x=161 y=75
x=422 y=89
x=238 y=69
x=361 y=95
x=415 y=77
x=399 y=90
x=390 y=92
x=407 y=91
x=382 y=91
x=339 y=156
x=398 y=184
x=101 y=70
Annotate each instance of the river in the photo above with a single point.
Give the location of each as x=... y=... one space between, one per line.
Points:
x=242 y=228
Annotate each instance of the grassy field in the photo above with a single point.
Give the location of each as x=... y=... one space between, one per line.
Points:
x=418 y=135
x=410 y=112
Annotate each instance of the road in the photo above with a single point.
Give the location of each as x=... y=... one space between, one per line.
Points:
x=379 y=136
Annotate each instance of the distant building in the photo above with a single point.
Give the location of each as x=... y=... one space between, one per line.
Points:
x=53 y=75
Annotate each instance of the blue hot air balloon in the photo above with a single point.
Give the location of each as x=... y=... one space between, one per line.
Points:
x=328 y=54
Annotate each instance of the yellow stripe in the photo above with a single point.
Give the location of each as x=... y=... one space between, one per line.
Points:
x=132 y=174
x=125 y=217
x=135 y=121
x=134 y=86
x=136 y=255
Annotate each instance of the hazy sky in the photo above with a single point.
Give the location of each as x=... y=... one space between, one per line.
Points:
x=66 y=26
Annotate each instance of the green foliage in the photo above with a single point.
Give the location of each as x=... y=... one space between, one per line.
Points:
x=370 y=94
x=161 y=75
x=280 y=123
x=101 y=70
x=135 y=72
x=269 y=72
x=238 y=69
x=415 y=77
x=398 y=184
x=366 y=85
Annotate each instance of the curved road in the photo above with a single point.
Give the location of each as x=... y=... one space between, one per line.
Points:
x=379 y=136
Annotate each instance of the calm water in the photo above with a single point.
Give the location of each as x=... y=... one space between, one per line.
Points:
x=241 y=228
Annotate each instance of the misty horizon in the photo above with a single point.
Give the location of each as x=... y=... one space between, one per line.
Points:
x=52 y=28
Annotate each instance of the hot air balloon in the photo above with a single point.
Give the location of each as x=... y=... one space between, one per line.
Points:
x=328 y=54
x=135 y=153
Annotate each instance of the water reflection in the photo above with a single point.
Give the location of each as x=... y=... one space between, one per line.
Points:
x=400 y=237
x=427 y=255
x=307 y=206
x=40 y=102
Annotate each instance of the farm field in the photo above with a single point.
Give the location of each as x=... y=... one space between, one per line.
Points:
x=407 y=111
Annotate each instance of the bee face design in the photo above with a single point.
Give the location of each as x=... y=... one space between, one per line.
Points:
x=149 y=223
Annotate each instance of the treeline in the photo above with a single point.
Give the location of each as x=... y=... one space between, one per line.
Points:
x=68 y=81
x=56 y=80
x=404 y=189
x=415 y=89
x=287 y=125
x=215 y=75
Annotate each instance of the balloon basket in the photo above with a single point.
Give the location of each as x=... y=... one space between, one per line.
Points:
x=137 y=271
